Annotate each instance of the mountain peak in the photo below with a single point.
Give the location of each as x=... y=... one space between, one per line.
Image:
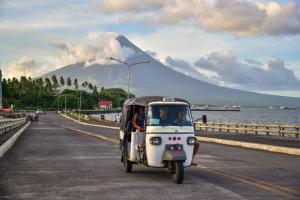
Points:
x=124 y=42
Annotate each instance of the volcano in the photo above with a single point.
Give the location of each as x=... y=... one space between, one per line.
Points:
x=154 y=78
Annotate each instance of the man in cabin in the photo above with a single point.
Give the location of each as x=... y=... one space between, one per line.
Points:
x=163 y=116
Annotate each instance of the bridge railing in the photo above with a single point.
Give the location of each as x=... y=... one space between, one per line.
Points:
x=280 y=130
x=10 y=124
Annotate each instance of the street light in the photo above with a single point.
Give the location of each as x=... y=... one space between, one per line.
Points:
x=129 y=66
x=57 y=103
x=79 y=110
x=78 y=102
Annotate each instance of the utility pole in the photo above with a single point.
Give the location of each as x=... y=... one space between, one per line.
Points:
x=129 y=66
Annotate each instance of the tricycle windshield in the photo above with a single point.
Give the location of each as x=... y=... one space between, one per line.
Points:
x=169 y=115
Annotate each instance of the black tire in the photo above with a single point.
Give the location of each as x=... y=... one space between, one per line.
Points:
x=127 y=164
x=178 y=175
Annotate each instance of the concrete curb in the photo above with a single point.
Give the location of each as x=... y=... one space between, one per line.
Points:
x=10 y=142
x=249 y=145
x=87 y=124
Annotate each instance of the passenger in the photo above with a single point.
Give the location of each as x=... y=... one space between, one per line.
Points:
x=139 y=120
x=181 y=119
x=163 y=116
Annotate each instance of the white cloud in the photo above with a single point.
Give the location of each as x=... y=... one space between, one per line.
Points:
x=236 y=16
x=273 y=75
x=282 y=18
x=32 y=15
x=96 y=47
x=111 y=6
x=23 y=67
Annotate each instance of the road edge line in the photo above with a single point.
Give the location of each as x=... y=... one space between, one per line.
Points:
x=99 y=136
x=249 y=145
x=10 y=142
x=87 y=124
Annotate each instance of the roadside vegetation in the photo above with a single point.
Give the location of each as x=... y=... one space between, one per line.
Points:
x=73 y=115
x=50 y=94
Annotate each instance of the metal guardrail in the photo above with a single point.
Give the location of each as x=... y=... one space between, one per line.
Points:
x=10 y=124
x=280 y=130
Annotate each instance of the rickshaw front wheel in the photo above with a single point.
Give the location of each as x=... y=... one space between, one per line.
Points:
x=178 y=175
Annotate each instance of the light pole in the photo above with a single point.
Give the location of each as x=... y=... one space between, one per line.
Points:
x=129 y=66
x=57 y=103
x=79 y=110
x=65 y=105
x=78 y=103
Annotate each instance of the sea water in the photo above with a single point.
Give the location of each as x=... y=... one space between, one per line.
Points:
x=245 y=115
x=252 y=116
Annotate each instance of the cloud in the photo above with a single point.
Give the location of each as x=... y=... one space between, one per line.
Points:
x=23 y=67
x=281 y=18
x=186 y=68
x=95 y=48
x=32 y=15
x=253 y=62
x=273 y=75
x=151 y=53
x=110 y=6
x=239 y=17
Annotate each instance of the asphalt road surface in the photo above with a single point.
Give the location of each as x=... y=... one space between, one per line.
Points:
x=57 y=158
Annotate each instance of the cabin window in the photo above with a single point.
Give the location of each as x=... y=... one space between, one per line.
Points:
x=169 y=115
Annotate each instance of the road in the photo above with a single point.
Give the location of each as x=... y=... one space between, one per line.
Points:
x=57 y=158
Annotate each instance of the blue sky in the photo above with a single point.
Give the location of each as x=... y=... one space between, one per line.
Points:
x=222 y=42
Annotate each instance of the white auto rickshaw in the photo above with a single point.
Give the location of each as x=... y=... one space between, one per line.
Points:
x=168 y=140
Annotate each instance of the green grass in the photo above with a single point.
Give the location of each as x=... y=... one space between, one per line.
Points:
x=76 y=116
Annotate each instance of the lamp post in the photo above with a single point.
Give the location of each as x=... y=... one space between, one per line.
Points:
x=129 y=66
x=65 y=105
x=78 y=103
x=79 y=109
x=57 y=103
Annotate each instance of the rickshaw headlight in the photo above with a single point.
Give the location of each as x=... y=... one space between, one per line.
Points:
x=191 y=140
x=155 y=140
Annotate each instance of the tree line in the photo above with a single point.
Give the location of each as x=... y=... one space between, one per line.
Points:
x=51 y=93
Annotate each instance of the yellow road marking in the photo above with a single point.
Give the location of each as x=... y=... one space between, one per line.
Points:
x=94 y=135
x=287 y=192
x=87 y=124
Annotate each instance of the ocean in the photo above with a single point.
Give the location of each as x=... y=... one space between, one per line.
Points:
x=245 y=115
x=252 y=116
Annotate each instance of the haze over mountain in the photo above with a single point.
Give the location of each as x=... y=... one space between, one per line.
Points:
x=155 y=78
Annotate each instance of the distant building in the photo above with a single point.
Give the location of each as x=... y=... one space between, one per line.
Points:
x=106 y=105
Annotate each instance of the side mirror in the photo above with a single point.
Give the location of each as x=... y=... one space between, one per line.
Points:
x=204 y=119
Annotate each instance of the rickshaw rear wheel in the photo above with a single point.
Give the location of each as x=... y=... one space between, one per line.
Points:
x=127 y=163
x=178 y=175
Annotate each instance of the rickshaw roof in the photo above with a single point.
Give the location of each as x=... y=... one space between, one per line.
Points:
x=145 y=100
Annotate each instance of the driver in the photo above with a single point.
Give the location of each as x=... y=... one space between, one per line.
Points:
x=163 y=116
